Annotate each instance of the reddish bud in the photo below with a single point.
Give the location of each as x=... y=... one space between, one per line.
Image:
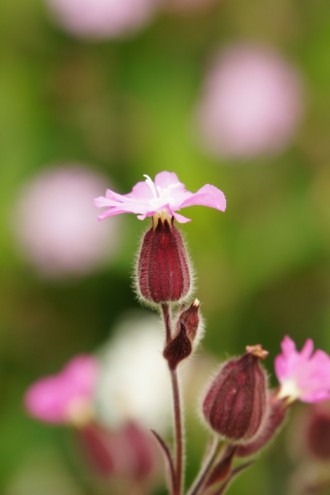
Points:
x=144 y=456
x=190 y=318
x=235 y=405
x=94 y=441
x=127 y=453
x=178 y=348
x=181 y=346
x=318 y=433
x=163 y=269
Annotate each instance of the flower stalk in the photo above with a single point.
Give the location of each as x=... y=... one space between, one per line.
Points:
x=178 y=412
x=211 y=456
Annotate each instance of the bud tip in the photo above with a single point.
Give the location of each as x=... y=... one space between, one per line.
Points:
x=257 y=351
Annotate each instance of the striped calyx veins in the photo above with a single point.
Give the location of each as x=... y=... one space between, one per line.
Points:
x=235 y=404
x=163 y=273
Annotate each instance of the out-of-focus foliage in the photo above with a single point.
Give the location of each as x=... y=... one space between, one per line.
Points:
x=125 y=106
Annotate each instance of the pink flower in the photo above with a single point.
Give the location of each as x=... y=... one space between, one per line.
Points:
x=251 y=103
x=303 y=375
x=102 y=18
x=67 y=396
x=128 y=452
x=161 y=198
x=54 y=222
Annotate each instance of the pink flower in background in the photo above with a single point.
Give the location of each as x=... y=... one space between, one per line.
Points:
x=129 y=452
x=162 y=197
x=251 y=103
x=55 y=222
x=67 y=396
x=102 y=18
x=303 y=375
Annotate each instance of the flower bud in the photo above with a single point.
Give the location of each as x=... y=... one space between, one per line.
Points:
x=94 y=442
x=127 y=453
x=235 y=404
x=163 y=273
x=181 y=346
x=318 y=433
x=178 y=348
x=190 y=318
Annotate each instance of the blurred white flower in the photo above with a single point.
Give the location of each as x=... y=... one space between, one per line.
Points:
x=56 y=225
x=251 y=103
x=102 y=18
x=134 y=382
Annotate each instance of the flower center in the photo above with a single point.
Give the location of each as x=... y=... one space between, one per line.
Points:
x=79 y=412
x=161 y=197
x=289 y=390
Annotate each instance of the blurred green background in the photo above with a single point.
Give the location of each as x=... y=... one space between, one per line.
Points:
x=126 y=107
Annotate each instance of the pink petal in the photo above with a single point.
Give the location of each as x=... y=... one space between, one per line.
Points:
x=207 y=195
x=49 y=399
x=81 y=372
x=115 y=197
x=280 y=366
x=307 y=349
x=288 y=346
x=309 y=372
x=180 y=218
x=46 y=400
x=112 y=212
x=166 y=193
x=101 y=202
x=141 y=192
x=166 y=179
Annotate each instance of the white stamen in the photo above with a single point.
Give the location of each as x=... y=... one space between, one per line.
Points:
x=161 y=197
x=151 y=185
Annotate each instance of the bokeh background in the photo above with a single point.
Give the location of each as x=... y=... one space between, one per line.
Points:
x=98 y=93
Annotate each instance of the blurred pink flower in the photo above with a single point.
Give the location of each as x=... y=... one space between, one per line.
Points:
x=128 y=453
x=303 y=375
x=102 y=18
x=251 y=103
x=55 y=222
x=162 y=197
x=67 y=396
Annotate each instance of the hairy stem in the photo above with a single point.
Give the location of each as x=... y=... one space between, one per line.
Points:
x=211 y=456
x=178 y=414
x=167 y=321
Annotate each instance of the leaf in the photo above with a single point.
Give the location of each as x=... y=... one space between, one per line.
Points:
x=168 y=459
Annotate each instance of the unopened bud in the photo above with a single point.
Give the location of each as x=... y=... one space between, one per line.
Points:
x=178 y=348
x=318 y=433
x=235 y=405
x=163 y=273
x=190 y=318
x=181 y=346
x=95 y=443
x=126 y=453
